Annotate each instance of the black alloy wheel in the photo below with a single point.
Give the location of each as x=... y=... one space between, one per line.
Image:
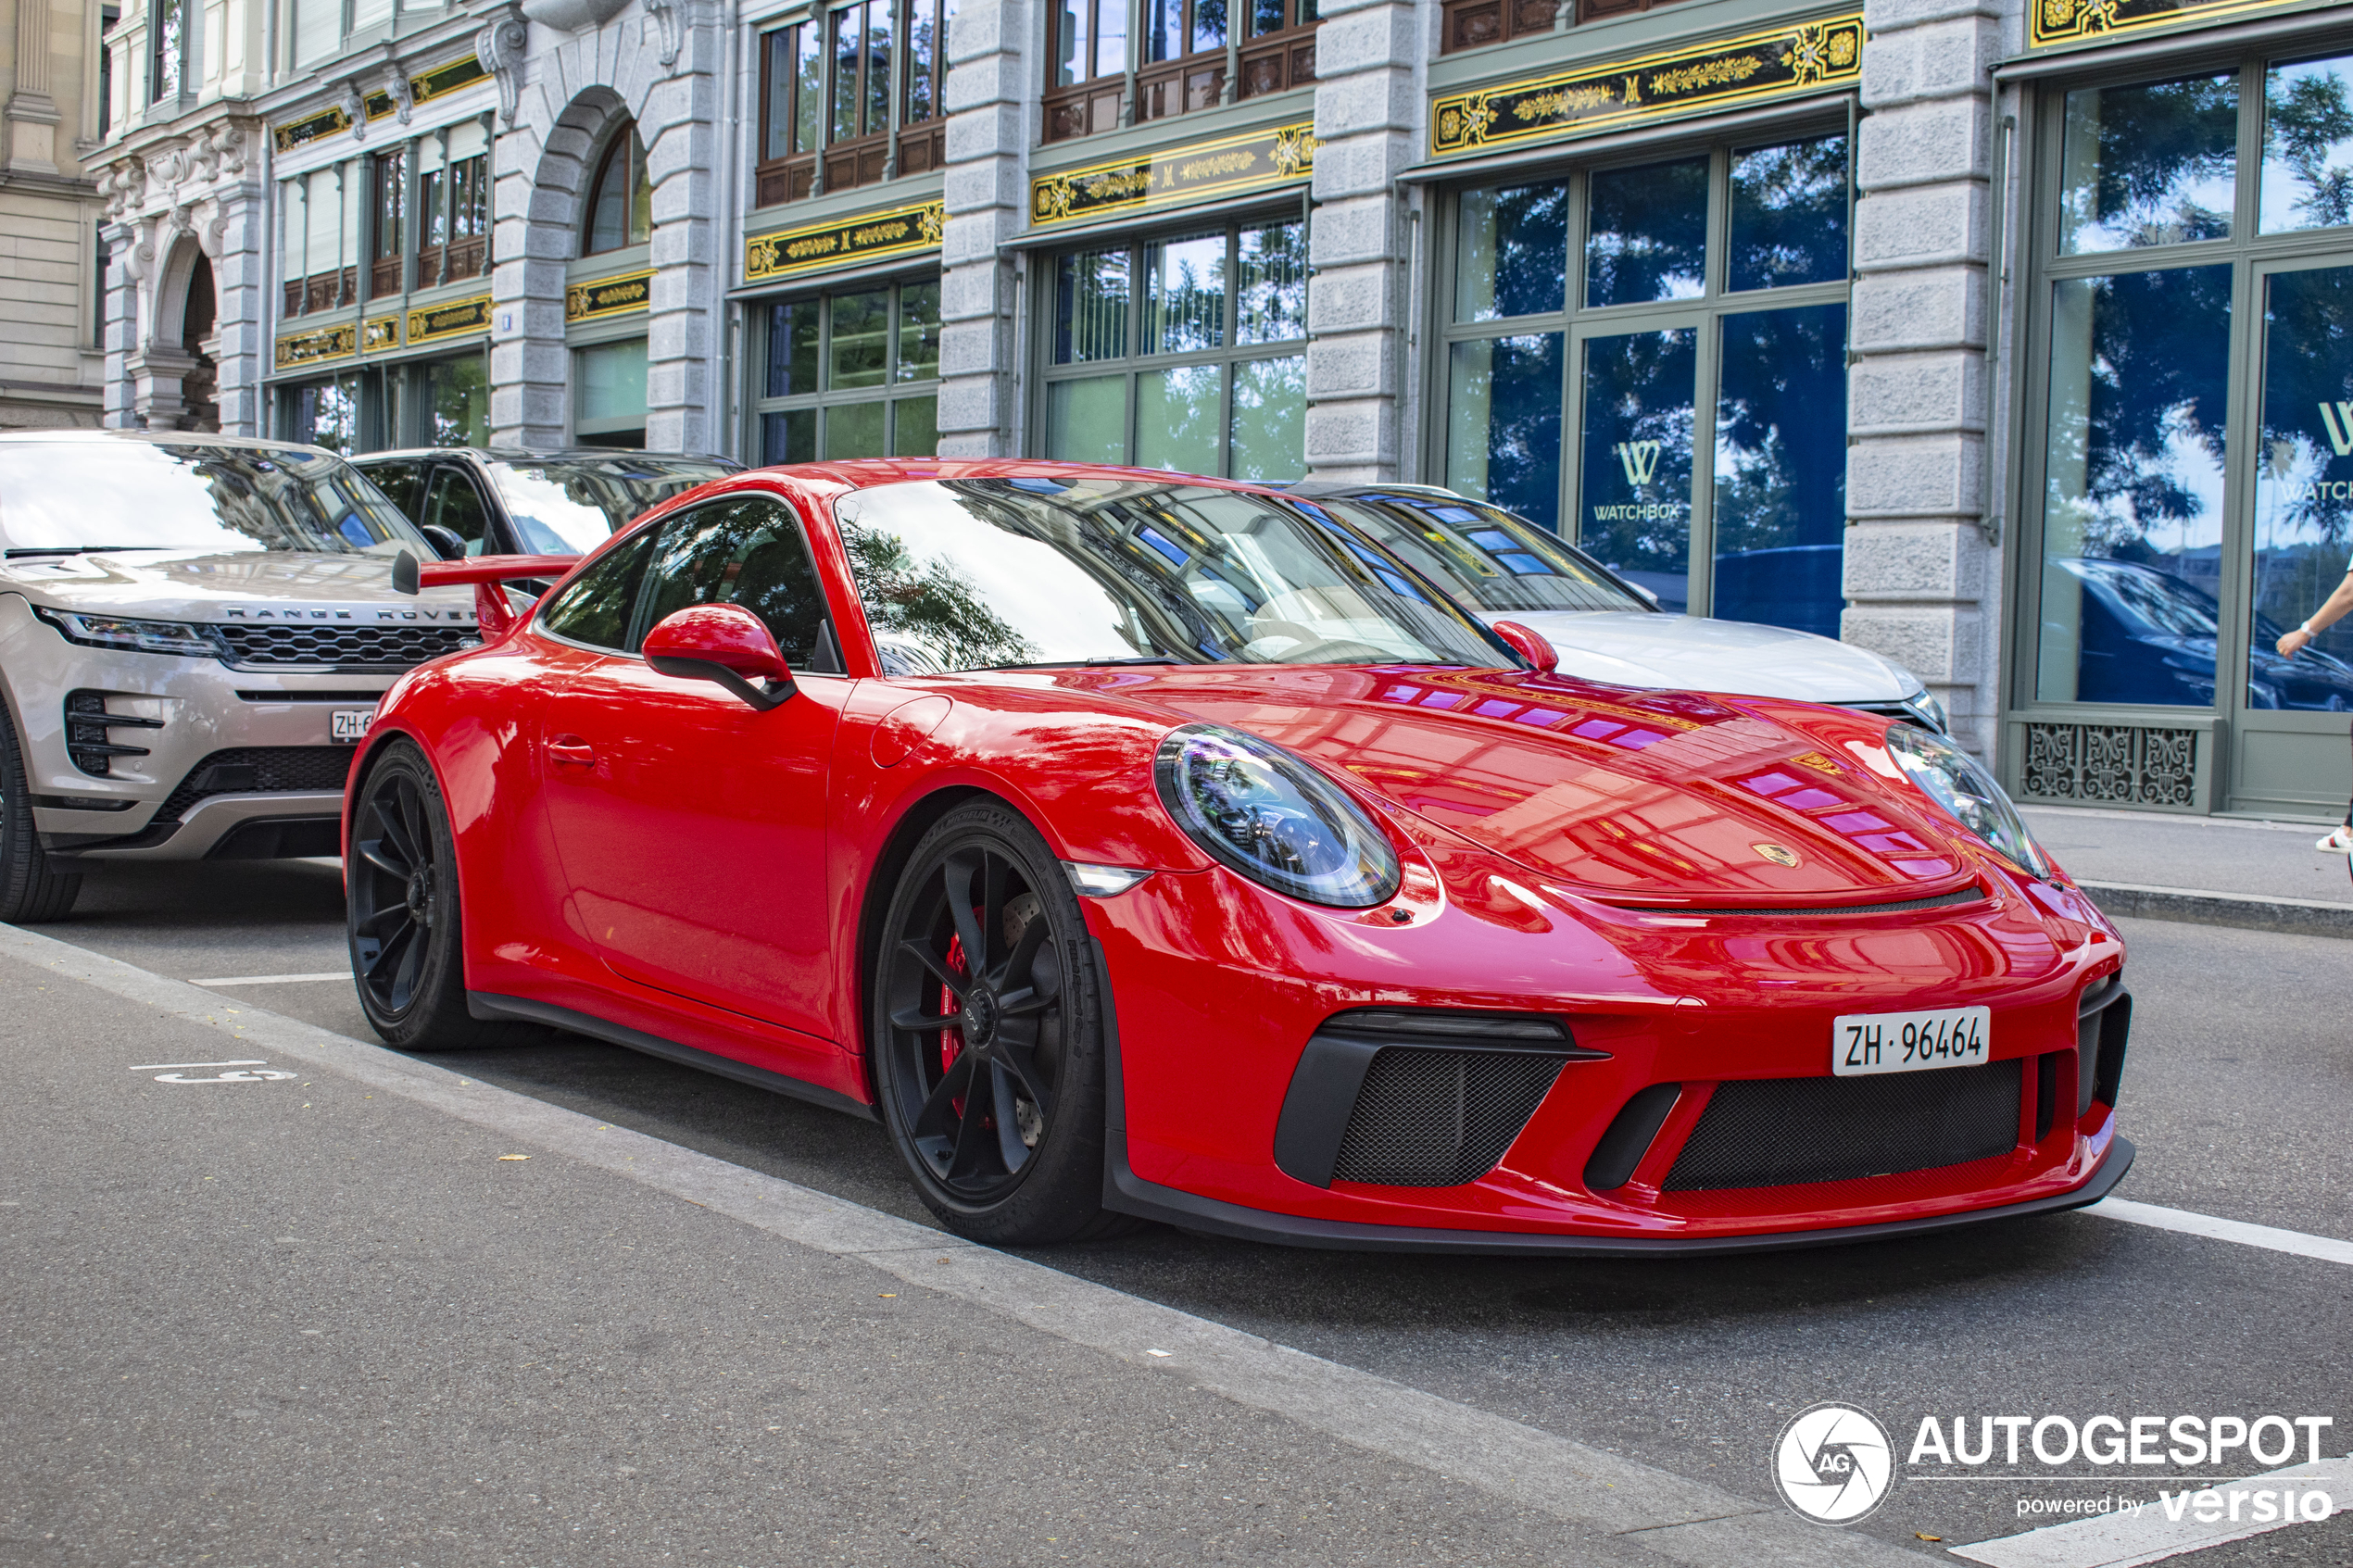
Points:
x=988 y=1038
x=400 y=873
x=31 y=888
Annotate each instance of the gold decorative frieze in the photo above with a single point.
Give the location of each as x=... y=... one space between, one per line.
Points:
x=627 y=295
x=457 y=318
x=378 y=333
x=1783 y=62
x=872 y=236
x=2072 y=21
x=423 y=87
x=319 y=346
x=1255 y=160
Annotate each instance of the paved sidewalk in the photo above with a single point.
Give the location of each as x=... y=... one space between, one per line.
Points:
x=2206 y=869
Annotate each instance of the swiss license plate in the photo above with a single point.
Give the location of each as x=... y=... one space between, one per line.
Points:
x=1865 y=1042
x=351 y=724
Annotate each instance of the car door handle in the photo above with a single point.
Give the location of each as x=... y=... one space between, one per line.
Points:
x=572 y=749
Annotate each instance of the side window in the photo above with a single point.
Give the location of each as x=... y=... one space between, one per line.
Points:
x=403 y=484
x=594 y=607
x=745 y=551
x=456 y=504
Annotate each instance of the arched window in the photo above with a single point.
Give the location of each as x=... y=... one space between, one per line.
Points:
x=621 y=199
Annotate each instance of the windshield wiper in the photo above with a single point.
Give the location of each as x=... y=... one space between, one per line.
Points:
x=85 y=549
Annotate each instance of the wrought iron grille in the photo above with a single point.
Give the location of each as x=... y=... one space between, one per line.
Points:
x=2120 y=764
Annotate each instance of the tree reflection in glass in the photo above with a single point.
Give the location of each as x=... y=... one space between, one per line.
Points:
x=2133 y=487
x=2152 y=164
x=1789 y=214
x=2308 y=147
x=1504 y=424
x=1511 y=255
x=1185 y=294
x=1648 y=236
x=2304 y=488
x=1636 y=495
x=1780 y=469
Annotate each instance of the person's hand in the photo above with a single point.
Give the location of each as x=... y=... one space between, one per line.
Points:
x=2295 y=643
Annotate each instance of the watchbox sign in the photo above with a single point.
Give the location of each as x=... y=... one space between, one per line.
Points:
x=1782 y=62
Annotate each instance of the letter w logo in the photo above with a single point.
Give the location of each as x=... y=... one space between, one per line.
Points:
x=2340 y=435
x=1640 y=458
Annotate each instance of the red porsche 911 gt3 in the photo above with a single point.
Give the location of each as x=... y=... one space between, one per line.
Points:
x=1135 y=845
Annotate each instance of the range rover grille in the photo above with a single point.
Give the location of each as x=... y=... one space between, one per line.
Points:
x=341 y=648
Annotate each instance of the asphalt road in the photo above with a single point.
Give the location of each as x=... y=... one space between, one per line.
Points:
x=410 y=1420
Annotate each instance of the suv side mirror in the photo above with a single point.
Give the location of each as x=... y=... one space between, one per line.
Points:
x=444 y=540
x=726 y=644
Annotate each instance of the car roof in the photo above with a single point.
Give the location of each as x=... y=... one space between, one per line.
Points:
x=1344 y=488
x=562 y=454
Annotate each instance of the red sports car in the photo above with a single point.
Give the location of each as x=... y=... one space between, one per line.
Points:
x=1135 y=845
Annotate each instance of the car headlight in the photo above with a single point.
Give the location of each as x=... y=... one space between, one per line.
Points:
x=1923 y=705
x=1262 y=811
x=146 y=636
x=1953 y=779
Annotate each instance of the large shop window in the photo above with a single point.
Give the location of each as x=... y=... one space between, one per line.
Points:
x=2177 y=539
x=443 y=402
x=1623 y=303
x=1182 y=52
x=1188 y=353
x=608 y=394
x=851 y=374
x=852 y=95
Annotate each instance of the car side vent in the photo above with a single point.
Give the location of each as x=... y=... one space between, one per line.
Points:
x=1417 y=1096
x=2102 y=1024
x=88 y=723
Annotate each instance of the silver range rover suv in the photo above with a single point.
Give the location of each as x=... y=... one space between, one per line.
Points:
x=194 y=632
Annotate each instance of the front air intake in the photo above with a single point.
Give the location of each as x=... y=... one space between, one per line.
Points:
x=1786 y=1132
x=1417 y=1096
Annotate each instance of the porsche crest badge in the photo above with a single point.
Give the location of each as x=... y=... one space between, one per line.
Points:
x=1779 y=854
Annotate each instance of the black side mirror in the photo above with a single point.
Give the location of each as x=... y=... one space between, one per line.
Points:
x=442 y=539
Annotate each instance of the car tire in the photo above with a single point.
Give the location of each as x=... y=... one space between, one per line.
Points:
x=404 y=913
x=31 y=888
x=1019 y=1161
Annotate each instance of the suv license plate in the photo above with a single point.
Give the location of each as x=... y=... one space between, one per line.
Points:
x=1867 y=1043
x=351 y=724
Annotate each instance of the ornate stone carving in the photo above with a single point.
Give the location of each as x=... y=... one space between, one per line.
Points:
x=662 y=17
x=499 y=48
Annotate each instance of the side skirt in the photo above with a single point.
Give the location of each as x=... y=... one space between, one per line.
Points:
x=489 y=1005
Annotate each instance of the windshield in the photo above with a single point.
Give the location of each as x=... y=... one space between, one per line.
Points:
x=1497 y=562
x=992 y=574
x=568 y=506
x=58 y=497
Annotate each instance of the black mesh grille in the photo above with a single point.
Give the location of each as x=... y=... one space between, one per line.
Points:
x=1440 y=1118
x=1781 y=1132
x=343 y=647
x=259 y=769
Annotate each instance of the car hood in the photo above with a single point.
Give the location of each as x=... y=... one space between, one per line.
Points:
x=1696 y=653
x=234 y=585
x=1657 y=797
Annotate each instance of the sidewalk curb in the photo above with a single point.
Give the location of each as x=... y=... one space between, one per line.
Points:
x=2300 y=917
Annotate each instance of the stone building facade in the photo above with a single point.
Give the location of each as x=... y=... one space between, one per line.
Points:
x=52 y=115
x=1997 y=338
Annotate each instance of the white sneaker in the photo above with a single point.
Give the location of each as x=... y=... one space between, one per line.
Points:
x=2338 y=843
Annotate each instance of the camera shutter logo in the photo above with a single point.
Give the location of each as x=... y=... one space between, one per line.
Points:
x=1833 y=1463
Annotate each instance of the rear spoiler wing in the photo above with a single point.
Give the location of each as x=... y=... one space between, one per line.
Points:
x=492 y=608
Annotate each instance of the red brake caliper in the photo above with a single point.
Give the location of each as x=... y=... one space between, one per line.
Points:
x=951 y=1041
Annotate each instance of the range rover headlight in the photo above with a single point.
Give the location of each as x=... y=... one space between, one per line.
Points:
x=1923 y=705
x=1954 y=779
x=145 y=636
x=1262 y=811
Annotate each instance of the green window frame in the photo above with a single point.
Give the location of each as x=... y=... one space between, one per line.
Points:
x=1185 y=349
x=847 y=371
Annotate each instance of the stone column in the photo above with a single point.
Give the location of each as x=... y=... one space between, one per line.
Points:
x=1922 y=582
x=680 y=126
x=1368 y=117
x=241 y=292
x=989 y=124
x=31 y=116
x=121 y=335
x=532 y=201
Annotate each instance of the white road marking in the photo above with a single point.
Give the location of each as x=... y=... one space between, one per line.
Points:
x=175 y=1066
x=2150 y=1534
x=2327 y=1249
x=275 y=979
x=1611 y=1509
x=234 y=1075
